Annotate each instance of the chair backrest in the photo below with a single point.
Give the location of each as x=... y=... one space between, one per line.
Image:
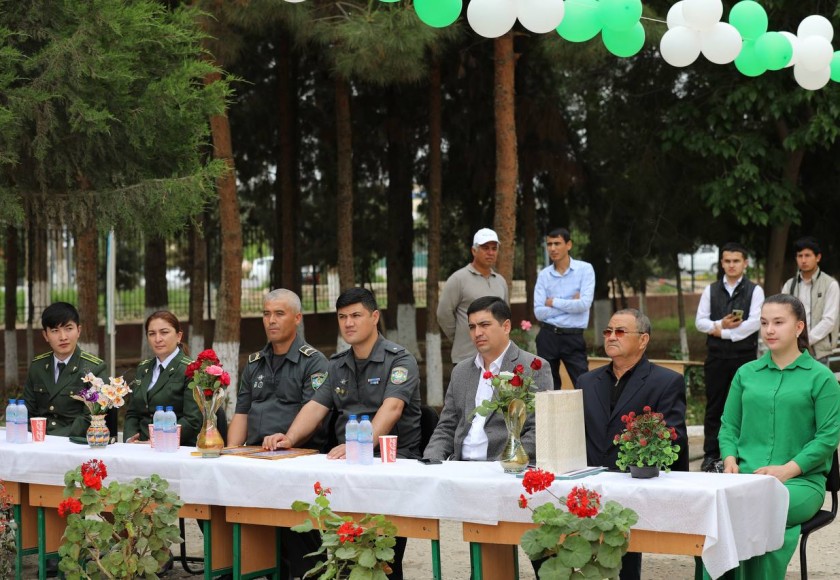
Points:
x=428 y=422
x=832 y=483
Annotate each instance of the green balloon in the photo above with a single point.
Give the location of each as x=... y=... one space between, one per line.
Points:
x=619 y=15
x=626 y=42
x=773 y=50
x=748 y=63
x=835 y=67
x=581 y=21
x=438 y=13
x=749 y=18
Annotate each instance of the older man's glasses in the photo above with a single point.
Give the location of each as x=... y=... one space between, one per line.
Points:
x=618 y=332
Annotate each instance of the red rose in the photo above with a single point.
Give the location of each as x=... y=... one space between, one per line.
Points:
x=487 y=375
x=208 y=393
x=208 y=355
x=191 y=368
x=519 y=369
x=646 y=408
x=225 y=379
x=536 y=364
x=516 y=381
x=71 y=505
x=537 y=480
x=523 y=501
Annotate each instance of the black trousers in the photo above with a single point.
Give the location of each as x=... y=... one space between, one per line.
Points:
x=569 y=348
x=719 y=373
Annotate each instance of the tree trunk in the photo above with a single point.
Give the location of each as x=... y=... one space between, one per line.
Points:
x=434 y=360
x=229 y=301
x=286 y=263
x=87 y=282
x=774 y=276
x=39 y=290
x=344 y=213
x=506 y=161
x=157 y=293
x=198 y=283
x=400 y=322
x=681 y=311
x=11 y=376
x=529 y=217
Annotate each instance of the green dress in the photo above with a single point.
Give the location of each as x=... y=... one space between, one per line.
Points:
x=775 y=415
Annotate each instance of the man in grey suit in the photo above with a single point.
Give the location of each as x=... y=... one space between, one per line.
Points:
x=459 y=436
x=629 y=383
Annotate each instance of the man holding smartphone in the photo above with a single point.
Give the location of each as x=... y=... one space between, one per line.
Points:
x=728 y=313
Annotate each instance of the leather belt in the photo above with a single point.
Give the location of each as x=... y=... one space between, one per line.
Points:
x=558 y=330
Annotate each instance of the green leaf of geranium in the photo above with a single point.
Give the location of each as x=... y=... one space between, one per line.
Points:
x=553 y=569
x=536 y=540
x=359 y=573
x=609 y=556
x=306 y=526
x=385 y=554
x=367 y=558
x=345 y=553
x=615 y=538
x=575 y=552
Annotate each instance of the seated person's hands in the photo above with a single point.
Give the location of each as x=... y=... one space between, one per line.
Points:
x=277 y=441
x=338 y=452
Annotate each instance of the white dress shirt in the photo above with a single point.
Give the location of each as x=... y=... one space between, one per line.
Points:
x=475 y=443
x=156 y=370
x=750 y=325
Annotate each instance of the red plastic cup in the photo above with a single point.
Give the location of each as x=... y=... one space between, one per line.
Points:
x=388 y=448
x=39 y=429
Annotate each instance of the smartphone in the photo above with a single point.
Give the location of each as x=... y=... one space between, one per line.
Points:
x=426 y=461
x=738 y=314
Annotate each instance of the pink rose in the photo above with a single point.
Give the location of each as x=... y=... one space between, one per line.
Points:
x=214 y=370
x=525 y=325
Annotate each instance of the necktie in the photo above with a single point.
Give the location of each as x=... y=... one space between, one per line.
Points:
x=159 y=377
x=61 y=367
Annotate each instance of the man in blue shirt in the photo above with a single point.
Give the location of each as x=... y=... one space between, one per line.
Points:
x=562 y=298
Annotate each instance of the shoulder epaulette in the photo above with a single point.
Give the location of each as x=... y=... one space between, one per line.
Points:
x=307 y=350
x=40 y=356
x=395 y=348
x=186 y=360
x=255 y=357
x=89 y=357
x=144 y=362
x=341 y=354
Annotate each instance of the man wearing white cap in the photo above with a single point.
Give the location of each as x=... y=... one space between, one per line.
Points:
x=474 y=280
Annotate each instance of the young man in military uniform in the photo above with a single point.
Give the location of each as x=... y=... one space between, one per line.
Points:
x=55 y=375
x=276 y=383
x=373 y=377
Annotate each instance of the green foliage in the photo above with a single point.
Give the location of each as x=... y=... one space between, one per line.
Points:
x=509 y=387
x=8 y=531
x=132 y=541
x=646 y=441
x=355 y=550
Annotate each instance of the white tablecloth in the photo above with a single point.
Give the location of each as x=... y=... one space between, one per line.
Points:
x=740 y=515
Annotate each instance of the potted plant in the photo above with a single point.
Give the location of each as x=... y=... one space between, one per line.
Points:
x=513 y=394
x=354 y=550
x=646 y=444
x=584 y=540
x=8 y=531
x=122 y=530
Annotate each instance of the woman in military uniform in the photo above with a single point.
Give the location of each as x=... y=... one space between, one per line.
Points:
x=161 y=381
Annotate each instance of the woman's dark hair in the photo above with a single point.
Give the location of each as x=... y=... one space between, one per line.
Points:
x=170 y=319
x=798 y=310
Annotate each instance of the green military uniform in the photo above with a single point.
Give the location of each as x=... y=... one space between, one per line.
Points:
x=273 y=388
x=356 y=387
x=171 y=388
x=46 y=397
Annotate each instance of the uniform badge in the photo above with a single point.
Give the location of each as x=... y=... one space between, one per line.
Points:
x=373 y=381
x=340 y=390
x=317 y=380
x=259 y=383
x=399 y=375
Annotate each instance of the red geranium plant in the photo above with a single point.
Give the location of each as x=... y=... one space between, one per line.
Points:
x=508 y=387
x=353 y=549
x=132 y=541
x=585 y=540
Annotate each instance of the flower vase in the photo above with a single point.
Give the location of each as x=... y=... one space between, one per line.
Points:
x=210 y=442
x=514 y=458
x=644 y=472
x=98 y=434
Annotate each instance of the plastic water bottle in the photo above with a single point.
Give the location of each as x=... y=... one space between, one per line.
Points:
x=365 y=441
x=170 y=426
x=22 y=418
x=157 y=422
x=351 y=440
x=11 y=421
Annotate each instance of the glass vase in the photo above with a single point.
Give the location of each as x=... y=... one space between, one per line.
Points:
x=514 y=458
x=209 y=442
x=98 y=434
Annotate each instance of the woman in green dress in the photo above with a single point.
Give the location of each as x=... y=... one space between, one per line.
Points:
x=161 y=381
x=782 y=418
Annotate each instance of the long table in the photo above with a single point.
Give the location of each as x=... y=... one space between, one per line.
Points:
x=714 y=515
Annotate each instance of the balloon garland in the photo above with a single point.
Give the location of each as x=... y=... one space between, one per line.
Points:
x=695 y=27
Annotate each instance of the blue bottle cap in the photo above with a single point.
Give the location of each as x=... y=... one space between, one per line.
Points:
x=352 y=417
x=168 y=408
x=159 y=408
x=365 y=418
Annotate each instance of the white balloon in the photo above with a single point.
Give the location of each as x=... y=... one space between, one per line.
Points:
x=794 y=43
x=702 y=14
x=811 y=80
x=721 y=44
x=491 y=18
x=541 y=16
x=680 y=46
x=675 y=15
x=815 y=53
x=815 y=26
